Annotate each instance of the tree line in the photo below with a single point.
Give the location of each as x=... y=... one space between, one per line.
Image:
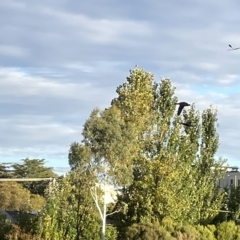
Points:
x=165 y=173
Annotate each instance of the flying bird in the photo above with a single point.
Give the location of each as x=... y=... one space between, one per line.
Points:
x=181 y=106
x=187 y=124
x=232 y=48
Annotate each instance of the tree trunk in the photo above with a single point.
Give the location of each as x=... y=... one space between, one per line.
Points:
x=104 y=209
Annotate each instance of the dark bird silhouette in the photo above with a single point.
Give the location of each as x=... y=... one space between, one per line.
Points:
x=181 y=106
x=232 y=48
x=187 y=124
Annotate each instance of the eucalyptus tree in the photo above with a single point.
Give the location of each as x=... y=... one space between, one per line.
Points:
x=110 y=145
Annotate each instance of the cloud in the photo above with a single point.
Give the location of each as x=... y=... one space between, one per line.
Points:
x=59 y=59
x=40 y=116
x=58 y=36
x=13 y=51
x=100 y=31
x=228 y=116
x=228 y=79
x=15 y=82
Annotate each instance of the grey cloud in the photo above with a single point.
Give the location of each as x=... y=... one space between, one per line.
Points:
x=55 y=36
x=228 y=116
x=39 y=113
x=13 y=51
x=59 y=59
x=21 y=132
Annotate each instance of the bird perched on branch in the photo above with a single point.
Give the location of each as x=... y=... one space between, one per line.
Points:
x=181 y=106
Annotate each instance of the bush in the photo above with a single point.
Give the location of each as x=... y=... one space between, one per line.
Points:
x=206 y=233
x=111 y=233
x=5 y=226
x=226 y=231
x=168 y=230
x=27 y=222
x=186 y=232
x=16 y=233
x=168 y=224
x=147 y=231
x=237 y=237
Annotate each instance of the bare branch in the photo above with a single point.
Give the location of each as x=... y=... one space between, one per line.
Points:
x=219 y=210
x=113 y=212
x=95 y=199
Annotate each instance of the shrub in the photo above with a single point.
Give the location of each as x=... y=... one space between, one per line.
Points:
x=205 y=233
x=168 y=224
x=111 y=233
x=237 y=237
x=226 y=231
x=186 y=232
x=5 y=226
x=147 y=231
x=16 y=233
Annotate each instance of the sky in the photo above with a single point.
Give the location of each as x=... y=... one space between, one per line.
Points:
x=59 y=59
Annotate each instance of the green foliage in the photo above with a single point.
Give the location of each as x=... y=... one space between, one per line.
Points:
x=27 y=222
x=147 y=231
x=234 y=203
x=111 y=143
x=23 y=229
x=5 y=226
x=135 y=98
x=237 y=236
x=231 y=206
x=79 y=156
x=186 y=232
x=16 y=233
x=167 y=173
x=223 y=214
x=174 y=169
x=226 y=230
x=5 y=170
x=165 y=169
x=33 y=168
x=168 y=224
x=205 y=233
x=167 y=229
x=14 y=197
x=111 y=233
x=69 y=212
x=212 y=228
x=36 y=202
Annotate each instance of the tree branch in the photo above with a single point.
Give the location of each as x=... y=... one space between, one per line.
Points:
x=95 y=199
x=113 y=212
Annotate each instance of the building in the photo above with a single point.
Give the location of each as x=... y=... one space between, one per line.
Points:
x=231 y=178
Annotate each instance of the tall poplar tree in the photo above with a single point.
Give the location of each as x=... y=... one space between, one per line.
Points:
x=174 y=168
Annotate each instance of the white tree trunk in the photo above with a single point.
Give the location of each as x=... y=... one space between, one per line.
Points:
x=104 y=212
